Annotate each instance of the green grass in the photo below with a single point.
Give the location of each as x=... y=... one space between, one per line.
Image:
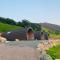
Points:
x=54 y=52
x=6 y=27
x=55 y=36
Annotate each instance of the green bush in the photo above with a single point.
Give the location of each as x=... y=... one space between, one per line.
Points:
x=54 y=52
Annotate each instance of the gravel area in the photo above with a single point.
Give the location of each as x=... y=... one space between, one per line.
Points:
x=17 y=53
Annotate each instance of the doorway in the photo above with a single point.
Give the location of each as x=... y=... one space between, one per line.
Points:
x=30 y=34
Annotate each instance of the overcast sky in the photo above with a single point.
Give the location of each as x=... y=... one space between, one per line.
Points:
x=32 y=10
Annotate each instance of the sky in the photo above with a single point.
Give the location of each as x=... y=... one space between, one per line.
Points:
x=37 y=11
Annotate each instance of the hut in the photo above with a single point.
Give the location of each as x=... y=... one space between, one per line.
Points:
x=41 y=35
x=21 y=34
x=24 y=34
x=37 y=35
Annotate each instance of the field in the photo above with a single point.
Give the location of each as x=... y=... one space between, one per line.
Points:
x=6 y=27
x=54 y=52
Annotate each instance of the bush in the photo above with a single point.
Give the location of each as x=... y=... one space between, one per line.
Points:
x=54 y=52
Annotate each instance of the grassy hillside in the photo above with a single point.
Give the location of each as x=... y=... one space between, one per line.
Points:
x=6 y=27
x=52 y=29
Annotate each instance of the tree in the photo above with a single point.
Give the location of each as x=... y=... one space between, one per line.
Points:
x=7 y=21
x=26 y=23
x=3 y=20
x=36 y=26
x=10 y=21
x=19 y=24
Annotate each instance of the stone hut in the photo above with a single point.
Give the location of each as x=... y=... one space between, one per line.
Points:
x=37 y=35
x=41 y=35
x=23 y=34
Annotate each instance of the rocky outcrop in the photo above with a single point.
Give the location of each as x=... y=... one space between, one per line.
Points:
x=2 y=39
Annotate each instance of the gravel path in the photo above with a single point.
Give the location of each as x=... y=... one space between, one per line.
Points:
x=23 y=50
x=17 y=53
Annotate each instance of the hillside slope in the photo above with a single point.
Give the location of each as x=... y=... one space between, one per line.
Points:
x=6 y=27
x=52 y=29
x=51 y=26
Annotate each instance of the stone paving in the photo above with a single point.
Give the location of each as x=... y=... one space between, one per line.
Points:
x=25 y=50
